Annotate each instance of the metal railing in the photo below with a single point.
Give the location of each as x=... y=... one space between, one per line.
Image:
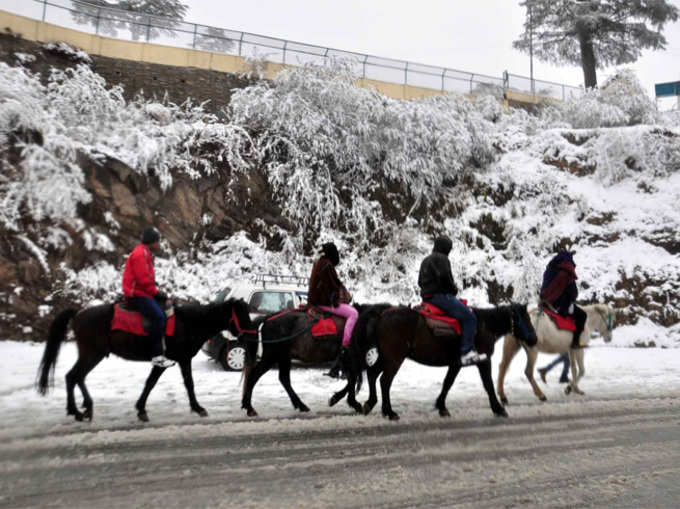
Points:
x=126 y=25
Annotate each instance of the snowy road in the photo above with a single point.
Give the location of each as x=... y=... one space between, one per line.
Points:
x=617 y=446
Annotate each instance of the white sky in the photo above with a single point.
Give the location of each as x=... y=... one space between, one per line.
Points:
x=474 y=36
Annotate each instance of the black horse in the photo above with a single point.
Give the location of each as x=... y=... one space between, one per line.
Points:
x=401 y=332
x=286 y=336
x=92 y=329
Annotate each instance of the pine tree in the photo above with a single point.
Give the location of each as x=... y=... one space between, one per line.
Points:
x=144 y=19
x=594 y=33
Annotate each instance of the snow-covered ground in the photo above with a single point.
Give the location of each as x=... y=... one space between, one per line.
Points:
x=612 y=373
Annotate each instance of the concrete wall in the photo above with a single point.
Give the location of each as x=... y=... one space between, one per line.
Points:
x=149 y=53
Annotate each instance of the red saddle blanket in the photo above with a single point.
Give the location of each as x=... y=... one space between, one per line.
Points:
x=132 y=321
x=562 y=322
x=431 y=312
x=324 y=325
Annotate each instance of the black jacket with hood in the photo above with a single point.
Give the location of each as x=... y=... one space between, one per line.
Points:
x=435 y=272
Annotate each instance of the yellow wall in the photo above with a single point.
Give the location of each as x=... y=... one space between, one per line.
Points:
x=183 y=57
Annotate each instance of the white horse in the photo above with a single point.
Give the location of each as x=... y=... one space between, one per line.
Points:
x=553 y=340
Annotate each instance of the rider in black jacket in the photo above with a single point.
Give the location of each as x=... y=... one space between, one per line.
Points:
x=438 y=288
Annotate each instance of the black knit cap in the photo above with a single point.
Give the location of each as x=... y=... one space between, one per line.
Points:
x=330 y=251
x=150 y=235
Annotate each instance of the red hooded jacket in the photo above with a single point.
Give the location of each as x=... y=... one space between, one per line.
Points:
x=138 y=276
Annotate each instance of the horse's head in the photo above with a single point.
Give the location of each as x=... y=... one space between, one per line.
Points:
x=522 y=327
x=238 y=317
x=605 y=324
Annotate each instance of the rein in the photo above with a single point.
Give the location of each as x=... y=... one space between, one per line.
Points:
x=609 y=322
x=239 y=329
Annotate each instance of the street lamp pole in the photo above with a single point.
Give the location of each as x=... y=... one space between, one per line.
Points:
x=531 y=48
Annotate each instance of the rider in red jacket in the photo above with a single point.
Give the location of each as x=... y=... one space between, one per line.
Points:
x=139 y=287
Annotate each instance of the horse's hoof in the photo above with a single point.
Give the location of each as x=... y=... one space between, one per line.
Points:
x=504 y=400
x=143 y=416
x=394 y=416
x=78 y=416
x=333 y=400
x=252 y=413
x=303 y=408
x=543 y=397
x=567 y=390
x=87 y=414
x=366 y=409
x=502 y=414
x=444 y=412
x=202 y=412
x=357 y=407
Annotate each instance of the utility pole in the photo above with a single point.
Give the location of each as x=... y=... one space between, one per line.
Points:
x=531 y=48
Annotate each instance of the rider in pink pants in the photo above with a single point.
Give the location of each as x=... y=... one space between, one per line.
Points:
x=327 y=292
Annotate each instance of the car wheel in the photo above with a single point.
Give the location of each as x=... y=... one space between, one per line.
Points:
x=372 y=356
x=233 y=356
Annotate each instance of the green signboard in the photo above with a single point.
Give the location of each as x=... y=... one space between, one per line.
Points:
x=667 y=89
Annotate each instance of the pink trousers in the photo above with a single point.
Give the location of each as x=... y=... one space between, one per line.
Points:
x=348 y=312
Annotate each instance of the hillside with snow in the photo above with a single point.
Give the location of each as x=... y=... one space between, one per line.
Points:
x=310 y=157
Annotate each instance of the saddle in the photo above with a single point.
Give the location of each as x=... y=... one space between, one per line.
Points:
x=325 y=325
x=561 y=322
x=127 y=318
x=439 y=323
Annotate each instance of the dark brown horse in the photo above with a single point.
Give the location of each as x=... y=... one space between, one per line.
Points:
x=92 y=329
x=286 y=336
x=401 y=332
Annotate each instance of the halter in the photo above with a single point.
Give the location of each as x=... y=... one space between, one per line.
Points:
x=609 y=321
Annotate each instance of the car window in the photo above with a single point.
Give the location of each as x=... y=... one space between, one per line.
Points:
x=223 y=294
x=266 y=302
x=302 y=297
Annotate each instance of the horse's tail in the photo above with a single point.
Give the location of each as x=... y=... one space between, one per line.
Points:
x=364 y=336
x=251 y=342
x=54 y=339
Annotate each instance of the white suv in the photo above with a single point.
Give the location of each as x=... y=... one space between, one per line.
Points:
x=265 y=294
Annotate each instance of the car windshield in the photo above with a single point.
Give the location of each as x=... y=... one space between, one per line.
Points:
x=266 y=302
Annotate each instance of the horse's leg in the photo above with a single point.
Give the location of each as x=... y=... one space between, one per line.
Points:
x=487 y=381
x=371 y=375
x=87 y=366
x=450 y=377
x=76 y=376
x=351 y=397
x=510 y=349
x=185 y=367
x=252 y=377
x=389 y=372
x=284 y=378
x=155 y=374
x=532 y=355
x=578 y=354
x=338 y=395
x=572 y=360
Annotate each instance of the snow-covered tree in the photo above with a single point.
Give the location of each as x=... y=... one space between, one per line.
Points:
x=144 y=19
x=594 y=33
x=213 y=39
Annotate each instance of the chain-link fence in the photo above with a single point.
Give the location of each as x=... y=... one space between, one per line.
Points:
x=127 y=25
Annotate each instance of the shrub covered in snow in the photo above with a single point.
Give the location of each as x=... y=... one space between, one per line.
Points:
x=621 y=101
x=328 y=146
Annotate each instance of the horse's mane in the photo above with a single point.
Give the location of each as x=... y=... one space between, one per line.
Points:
x=195 y=312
